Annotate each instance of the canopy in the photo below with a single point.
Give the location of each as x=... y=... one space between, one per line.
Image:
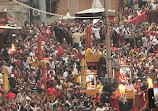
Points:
x=150 y=16
x=139 y=19
x=96 y=4
x=68 y=16
x=9 y=27
x=96 y=8
x=95 y=11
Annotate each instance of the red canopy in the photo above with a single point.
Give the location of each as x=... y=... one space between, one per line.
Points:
x=9 y=17
x=139 y=19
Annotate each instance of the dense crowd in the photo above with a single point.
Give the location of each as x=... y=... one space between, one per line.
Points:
x=63 y=44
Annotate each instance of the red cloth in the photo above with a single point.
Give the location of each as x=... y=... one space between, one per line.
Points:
x=38 y=83
x=137 y=87
x=141 y=101
x=17 y=63
x=51 y=91
x=122 y=40
x=9 y=17
x=11 y=96
x=45 y=36
x=76 y=55
x=60 y=51
x=113 y=49
x=97 y=99
x=88 y=37
x=114 y=102
x=14 y=73
x=139 y=19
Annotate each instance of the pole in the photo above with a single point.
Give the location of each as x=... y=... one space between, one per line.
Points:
x=108 y=41
x=39 y=41
x=31 y=11
x=42 y=6
x=50 y=5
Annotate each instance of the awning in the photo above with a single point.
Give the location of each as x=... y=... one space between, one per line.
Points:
x=139 y=19
x=96 y=10
x=8 y=27
x=9 y=17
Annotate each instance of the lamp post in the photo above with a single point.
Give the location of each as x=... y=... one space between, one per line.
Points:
x=31 y=11
x=108 y=41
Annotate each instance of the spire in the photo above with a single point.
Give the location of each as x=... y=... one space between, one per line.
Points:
x=97 y=4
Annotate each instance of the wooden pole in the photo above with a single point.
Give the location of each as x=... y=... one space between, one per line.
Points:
x=40 y=53
x=88 y=37
x=83 y=73
x=108 y=41
x=44 y=74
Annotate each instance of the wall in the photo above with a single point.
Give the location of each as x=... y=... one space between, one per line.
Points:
x=83 y=5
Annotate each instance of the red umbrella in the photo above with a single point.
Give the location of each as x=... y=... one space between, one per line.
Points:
x=51 y=91
x=11 y=96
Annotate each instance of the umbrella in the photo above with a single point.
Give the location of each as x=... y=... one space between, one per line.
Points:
x=11 y=96
x=51 y=91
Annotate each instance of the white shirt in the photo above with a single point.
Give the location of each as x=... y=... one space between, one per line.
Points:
x=65 y=75
x=96 y=32
x=65 y=59
x=130 y=87
x=52 y=64
x=152 y=38
x=100 y=109
x=9 y=69
x=74 y=71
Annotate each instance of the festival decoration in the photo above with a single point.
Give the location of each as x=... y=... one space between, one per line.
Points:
x=130 y=94
x=150 y=83
x=12 y=49
x=83 y=73
x=122 y=88
x=5 y=79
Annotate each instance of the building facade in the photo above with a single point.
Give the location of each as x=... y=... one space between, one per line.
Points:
x=21 y=13
x=18 y=12
x=74 y=6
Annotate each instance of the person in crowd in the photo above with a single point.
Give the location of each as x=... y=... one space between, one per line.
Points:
x=77 y=38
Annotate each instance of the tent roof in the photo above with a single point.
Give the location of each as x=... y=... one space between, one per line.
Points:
x=96 y=4
x=96 y=10
x=68 y=16
x=8 y=27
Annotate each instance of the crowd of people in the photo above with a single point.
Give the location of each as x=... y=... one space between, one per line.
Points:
x=135 y=8
x=64 y=44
